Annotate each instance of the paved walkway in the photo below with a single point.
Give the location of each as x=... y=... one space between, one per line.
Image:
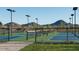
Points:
x=13 y=46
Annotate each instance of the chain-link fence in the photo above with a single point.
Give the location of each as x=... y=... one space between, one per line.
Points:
x=41 y=35
x=57 y=35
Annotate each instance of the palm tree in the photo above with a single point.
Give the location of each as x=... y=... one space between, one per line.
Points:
x=75 y=8
x=27 y=25
x=11 y=11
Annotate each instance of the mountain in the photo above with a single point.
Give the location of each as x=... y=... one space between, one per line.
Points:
x=59 y=23
x=13 y=24
x=32 y=24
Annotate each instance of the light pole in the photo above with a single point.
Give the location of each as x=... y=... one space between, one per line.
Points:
x=11 y=11
x=37 y=21
x=72 y=23
x=72 y=17
x=36 y=30
x=70 y=20
x=68 y=29
x=27 y=26
x=75 y=8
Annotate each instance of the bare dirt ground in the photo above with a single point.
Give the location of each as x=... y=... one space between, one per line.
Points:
x=13 y=46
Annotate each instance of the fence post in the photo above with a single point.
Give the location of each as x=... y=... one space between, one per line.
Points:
x=35 y=35
x=8 y=33
x=67 y=34
x=26 y=35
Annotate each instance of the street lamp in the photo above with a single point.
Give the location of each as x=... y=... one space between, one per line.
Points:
x=70 y=20
x=27 y=19
x=37 y=21
x=11 y=11
x=72 y=23
x=68 y=29
x=27 y=25
x=72 y=17
x=75 y=8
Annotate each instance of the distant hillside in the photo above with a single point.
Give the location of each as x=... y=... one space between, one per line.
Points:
x=59 y=23
x=32 y=24
x=13 y=24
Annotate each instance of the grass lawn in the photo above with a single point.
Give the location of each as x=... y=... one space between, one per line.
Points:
x=51 y=47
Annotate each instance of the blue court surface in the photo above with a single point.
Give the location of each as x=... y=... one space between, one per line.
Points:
x=18 y=35
x=63 y=36
x=60 y=36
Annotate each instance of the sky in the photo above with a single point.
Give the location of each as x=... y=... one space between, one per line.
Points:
x=45 y=15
